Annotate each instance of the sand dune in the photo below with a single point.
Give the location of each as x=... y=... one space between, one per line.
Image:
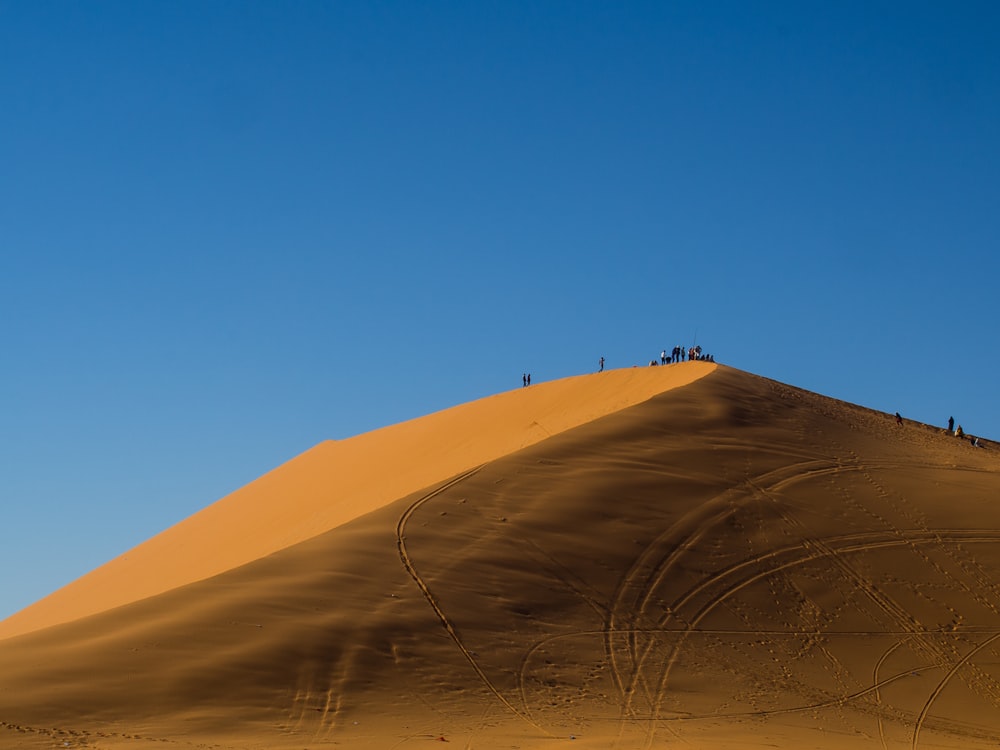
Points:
x=733 y=563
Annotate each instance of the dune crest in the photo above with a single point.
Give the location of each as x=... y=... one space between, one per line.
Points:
x=338 y=481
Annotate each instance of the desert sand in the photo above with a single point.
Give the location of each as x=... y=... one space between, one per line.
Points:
x=687 y=556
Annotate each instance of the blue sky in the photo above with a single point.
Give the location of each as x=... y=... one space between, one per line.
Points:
x=230 y=230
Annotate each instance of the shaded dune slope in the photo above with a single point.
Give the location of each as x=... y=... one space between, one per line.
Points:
x=731 y=564
x=337 y=481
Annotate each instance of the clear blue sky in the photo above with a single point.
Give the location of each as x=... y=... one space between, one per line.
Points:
x=230 y=230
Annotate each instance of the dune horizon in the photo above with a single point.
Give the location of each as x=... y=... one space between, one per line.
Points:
x=639 y=558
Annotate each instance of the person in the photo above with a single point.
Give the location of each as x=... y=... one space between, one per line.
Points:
x=602 y=365
x=899 y=419
x=524 y=380
x=663 y=357
x=951 y=424
x=529 y=378
x=959 y=432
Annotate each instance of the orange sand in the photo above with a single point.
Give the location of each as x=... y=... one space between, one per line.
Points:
x=337 y=481
x=733 y=563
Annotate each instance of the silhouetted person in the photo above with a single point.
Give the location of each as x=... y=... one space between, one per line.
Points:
x=524 y=380
x=899 y=419
x=529 y=378
x=951 y=424
x=602 y=365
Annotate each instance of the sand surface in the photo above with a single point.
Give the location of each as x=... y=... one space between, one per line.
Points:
x=337 y=481
x=720 y=561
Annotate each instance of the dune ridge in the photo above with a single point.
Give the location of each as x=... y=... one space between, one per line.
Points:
x=337 y=481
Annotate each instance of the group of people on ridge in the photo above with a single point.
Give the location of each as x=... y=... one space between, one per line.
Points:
x=680 y=354
x=960 y=433
x=952 y=430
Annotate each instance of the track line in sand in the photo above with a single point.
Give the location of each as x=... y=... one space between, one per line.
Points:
x=72 y=738
x=648 y=572
x=836 y=701
x=878 y=697
x=860 y=542
x=851 y=543
x=941 y=686
x=832 y=703
x=449 y=627
x=573 y=583
x=653 y=575
x=981 y=585
x=828 y=550
x=634 y=593
x=804 y=553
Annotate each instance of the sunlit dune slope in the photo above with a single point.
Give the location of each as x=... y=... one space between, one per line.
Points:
x=337 y=481
x=735 y=564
